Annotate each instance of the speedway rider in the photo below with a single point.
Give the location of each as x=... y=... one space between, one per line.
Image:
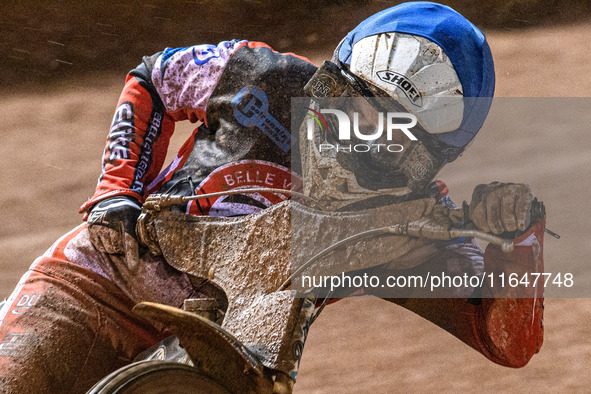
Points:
x=80 y=326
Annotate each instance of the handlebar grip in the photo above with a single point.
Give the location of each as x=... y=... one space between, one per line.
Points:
x=537 y=212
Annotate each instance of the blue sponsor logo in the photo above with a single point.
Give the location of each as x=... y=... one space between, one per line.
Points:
x=204 y=53
x=201 y=54
x=251 y=109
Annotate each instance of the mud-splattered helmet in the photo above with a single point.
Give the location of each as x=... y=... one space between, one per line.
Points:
x=435 y=63
x=419 y=52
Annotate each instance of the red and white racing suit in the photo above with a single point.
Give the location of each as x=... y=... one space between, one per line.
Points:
x=68 y=322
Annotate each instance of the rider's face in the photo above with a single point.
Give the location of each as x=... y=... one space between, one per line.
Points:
x=389 y=146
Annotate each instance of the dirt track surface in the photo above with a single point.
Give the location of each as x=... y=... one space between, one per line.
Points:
x=51 y=148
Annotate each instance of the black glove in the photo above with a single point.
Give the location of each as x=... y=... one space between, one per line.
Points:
x=501 y=207
x=111 y=225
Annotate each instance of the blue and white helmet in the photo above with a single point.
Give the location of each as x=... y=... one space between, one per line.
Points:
x=435 y=62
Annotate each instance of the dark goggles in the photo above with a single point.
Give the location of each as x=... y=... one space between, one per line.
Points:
x=332 y=80
x=420 y=161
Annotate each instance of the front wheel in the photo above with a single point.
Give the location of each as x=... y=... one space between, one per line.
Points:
x=157 y=377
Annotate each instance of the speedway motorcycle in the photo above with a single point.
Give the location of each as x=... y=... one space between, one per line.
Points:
x=246 y=332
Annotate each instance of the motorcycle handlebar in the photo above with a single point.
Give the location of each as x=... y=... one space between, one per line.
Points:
x=466 y=228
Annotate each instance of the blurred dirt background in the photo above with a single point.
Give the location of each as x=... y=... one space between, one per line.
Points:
x=62 y=68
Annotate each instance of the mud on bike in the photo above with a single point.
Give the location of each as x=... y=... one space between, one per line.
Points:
x=246 y=331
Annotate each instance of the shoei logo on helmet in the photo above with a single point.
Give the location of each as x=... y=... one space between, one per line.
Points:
x=317 y=121
x=404 y=84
